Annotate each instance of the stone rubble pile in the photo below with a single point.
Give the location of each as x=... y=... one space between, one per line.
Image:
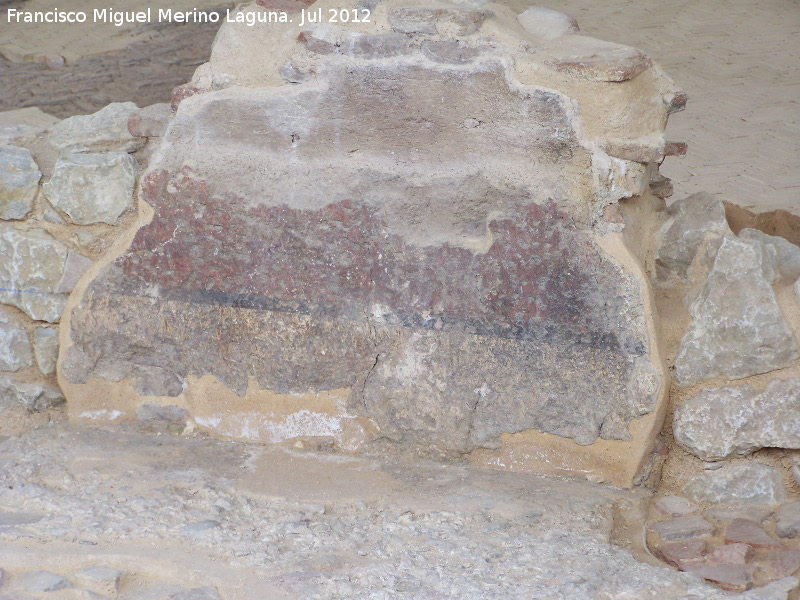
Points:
x=738 y=372
x=67 y=193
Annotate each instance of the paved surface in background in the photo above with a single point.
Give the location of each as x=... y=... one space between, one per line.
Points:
x=739 y=62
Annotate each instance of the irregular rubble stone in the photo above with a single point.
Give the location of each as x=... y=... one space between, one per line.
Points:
x=547 y=23
x=19 y=182
x=691 y=221
x=787 y=520
x=353 y=235
x=201 y=593
x=682 y=554
x=738 y=329
x=32 y=396
x=93 y=188
x=781 y=563
x=100 y=579
x=734 y=578
x=788 y=254
x=45 y=343
x=675 y=506
x=107 y=126
x=199 y=529
x=169 y=414
x=31 y=265
x=733 y=554
x=746 y=532
x=718 y=423
x=24 y=123
x=15 y=347
x=76 y=265
x=737 y=484
x=41 y=581
x=682 y=528
x=757 y=514
x=150 y=121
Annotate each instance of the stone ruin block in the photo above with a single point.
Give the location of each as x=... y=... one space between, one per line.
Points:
x=399 y=234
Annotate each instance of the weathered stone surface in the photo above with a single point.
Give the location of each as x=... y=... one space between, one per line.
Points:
x=675 y=506
x=787 y=520
x=788 y=255
x=168 y=414
x=74 y=268
x=45 y=343
x=41 y=581
x=682 y=554
x=733 y=554
x=93 y=188
x=547 y=23
x=15 y=347
x=31 y=265
x=32 y=396
x=107 y=126
x=409 y=227
x=150 y=121
x=100 y=579
x=19 y=182
x=595 y=60
x=722 y=422
x=24 y=123
x=200 y=593
x=742 y=531
x=682 y=528
x=738 y=329
x=692 y=221
x=783 y=562
x=734 y=578
x=757 y=514
x=738 y=483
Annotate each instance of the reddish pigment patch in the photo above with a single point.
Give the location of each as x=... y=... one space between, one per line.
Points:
x=538 y=280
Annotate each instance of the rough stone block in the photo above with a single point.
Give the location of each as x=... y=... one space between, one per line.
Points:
x=100 y=579
x=24 y=123
x=150 y=121
x=93 y=188
x=675 y=506
x=108 y=126
x=697 y=219
x=733 y=554
x=547 y=23
x=74 y=268
x=788 y=255
x=41 y=581
x=45 y=342
x=742 y=531
x=738 y=329
x=682 y=528
x=33 y=396
x=19 y=182
x=31 y=265
x=787 y=520
x=398 y=250
x=15 y=347
x=781 y=563
x=733 y=578
x=682 y=554
x=719 y=423
x=743 y=483
x=738 y=484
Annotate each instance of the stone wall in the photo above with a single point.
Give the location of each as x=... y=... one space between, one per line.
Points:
x=67 y=194
x=403 y=235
